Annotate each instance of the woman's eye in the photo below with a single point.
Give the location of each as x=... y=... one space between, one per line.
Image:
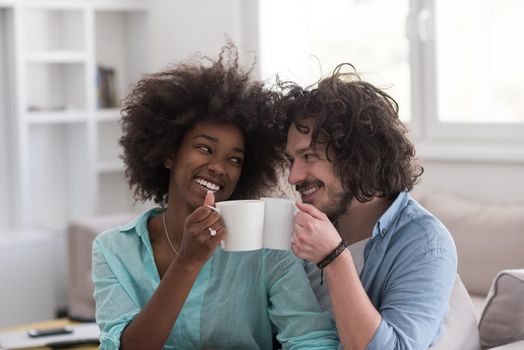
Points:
x=236 y=160
x=204 y=148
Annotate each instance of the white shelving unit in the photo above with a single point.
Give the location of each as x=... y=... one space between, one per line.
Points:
x=66 y=132
x=6 y=110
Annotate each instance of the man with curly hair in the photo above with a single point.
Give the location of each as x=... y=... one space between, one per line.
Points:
x=193 y=134
x=353 y=165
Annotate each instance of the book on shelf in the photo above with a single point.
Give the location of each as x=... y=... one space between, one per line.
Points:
x=106 y=87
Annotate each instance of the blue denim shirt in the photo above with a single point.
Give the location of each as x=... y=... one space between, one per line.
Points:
x=410 y=264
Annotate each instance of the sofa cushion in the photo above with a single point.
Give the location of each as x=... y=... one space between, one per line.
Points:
x=479 y=301
x=513 y=346
x=489 y=237
x=459 y=330
x=502 y=320
x=81 y=234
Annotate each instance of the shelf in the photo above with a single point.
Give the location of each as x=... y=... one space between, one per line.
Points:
x=108 y=114
x=58 y=117
x=56 y=86
x=54 y=29
x=124 y=61
x=58 y=162
x=57 y=56
x=67 y=131
x=109 y=133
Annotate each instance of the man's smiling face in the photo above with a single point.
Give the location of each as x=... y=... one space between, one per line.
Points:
x=312 y=174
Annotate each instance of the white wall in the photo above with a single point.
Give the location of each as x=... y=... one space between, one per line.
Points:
x=181 y=28
x=486 y=181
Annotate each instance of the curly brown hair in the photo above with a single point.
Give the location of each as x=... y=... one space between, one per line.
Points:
x=359 y=126
x=163 y=106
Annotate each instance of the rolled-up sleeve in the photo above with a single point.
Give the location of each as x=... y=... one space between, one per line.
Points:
x=115 y=308
x=293 y=308
x=415 y=301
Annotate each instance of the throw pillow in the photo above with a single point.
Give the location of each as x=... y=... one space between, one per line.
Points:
x=502 y=320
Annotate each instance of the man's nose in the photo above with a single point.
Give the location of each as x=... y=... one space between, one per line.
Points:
x=297 y=173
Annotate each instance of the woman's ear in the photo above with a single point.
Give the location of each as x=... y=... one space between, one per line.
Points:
x=168 y=163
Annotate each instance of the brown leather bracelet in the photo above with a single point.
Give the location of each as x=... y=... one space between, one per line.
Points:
x=333 y=255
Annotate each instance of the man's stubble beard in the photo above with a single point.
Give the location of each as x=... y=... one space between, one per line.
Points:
x=337 y=204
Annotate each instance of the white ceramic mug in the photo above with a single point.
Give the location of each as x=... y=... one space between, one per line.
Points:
x=244 y=221
x=279 y=218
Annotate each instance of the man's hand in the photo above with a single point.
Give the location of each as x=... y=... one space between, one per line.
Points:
x=314 y=236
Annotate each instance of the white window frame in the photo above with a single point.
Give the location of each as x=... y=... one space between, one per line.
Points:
x=447 y=141
x=499 y=142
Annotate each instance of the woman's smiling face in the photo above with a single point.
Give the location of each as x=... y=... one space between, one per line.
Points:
x=210 y=157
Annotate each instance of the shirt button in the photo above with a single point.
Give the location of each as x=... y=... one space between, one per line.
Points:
x=383 y=232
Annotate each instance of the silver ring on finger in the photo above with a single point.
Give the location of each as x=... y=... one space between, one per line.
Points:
x=212 y=232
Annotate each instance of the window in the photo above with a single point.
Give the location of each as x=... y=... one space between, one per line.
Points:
x=307 y=39
x=480 y=61
x=454 y=66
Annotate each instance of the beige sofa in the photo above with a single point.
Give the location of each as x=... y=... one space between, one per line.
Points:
x=490 y=247
x=489 y=239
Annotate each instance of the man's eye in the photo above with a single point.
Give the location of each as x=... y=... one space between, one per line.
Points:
x=309 y=156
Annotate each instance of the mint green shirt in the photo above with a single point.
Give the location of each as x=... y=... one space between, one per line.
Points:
x=236 y=301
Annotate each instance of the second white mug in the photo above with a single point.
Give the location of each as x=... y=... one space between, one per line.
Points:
x=279 y=218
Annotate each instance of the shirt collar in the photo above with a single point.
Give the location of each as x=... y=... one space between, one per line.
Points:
x=139 y=224
x=383 y=224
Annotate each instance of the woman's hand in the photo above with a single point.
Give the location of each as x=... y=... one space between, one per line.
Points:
x=198 y=243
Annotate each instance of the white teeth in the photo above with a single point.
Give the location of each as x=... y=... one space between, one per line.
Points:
x=310 y=190
x=209 y=185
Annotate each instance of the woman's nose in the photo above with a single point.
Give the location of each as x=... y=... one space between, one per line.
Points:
x=217 y=167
